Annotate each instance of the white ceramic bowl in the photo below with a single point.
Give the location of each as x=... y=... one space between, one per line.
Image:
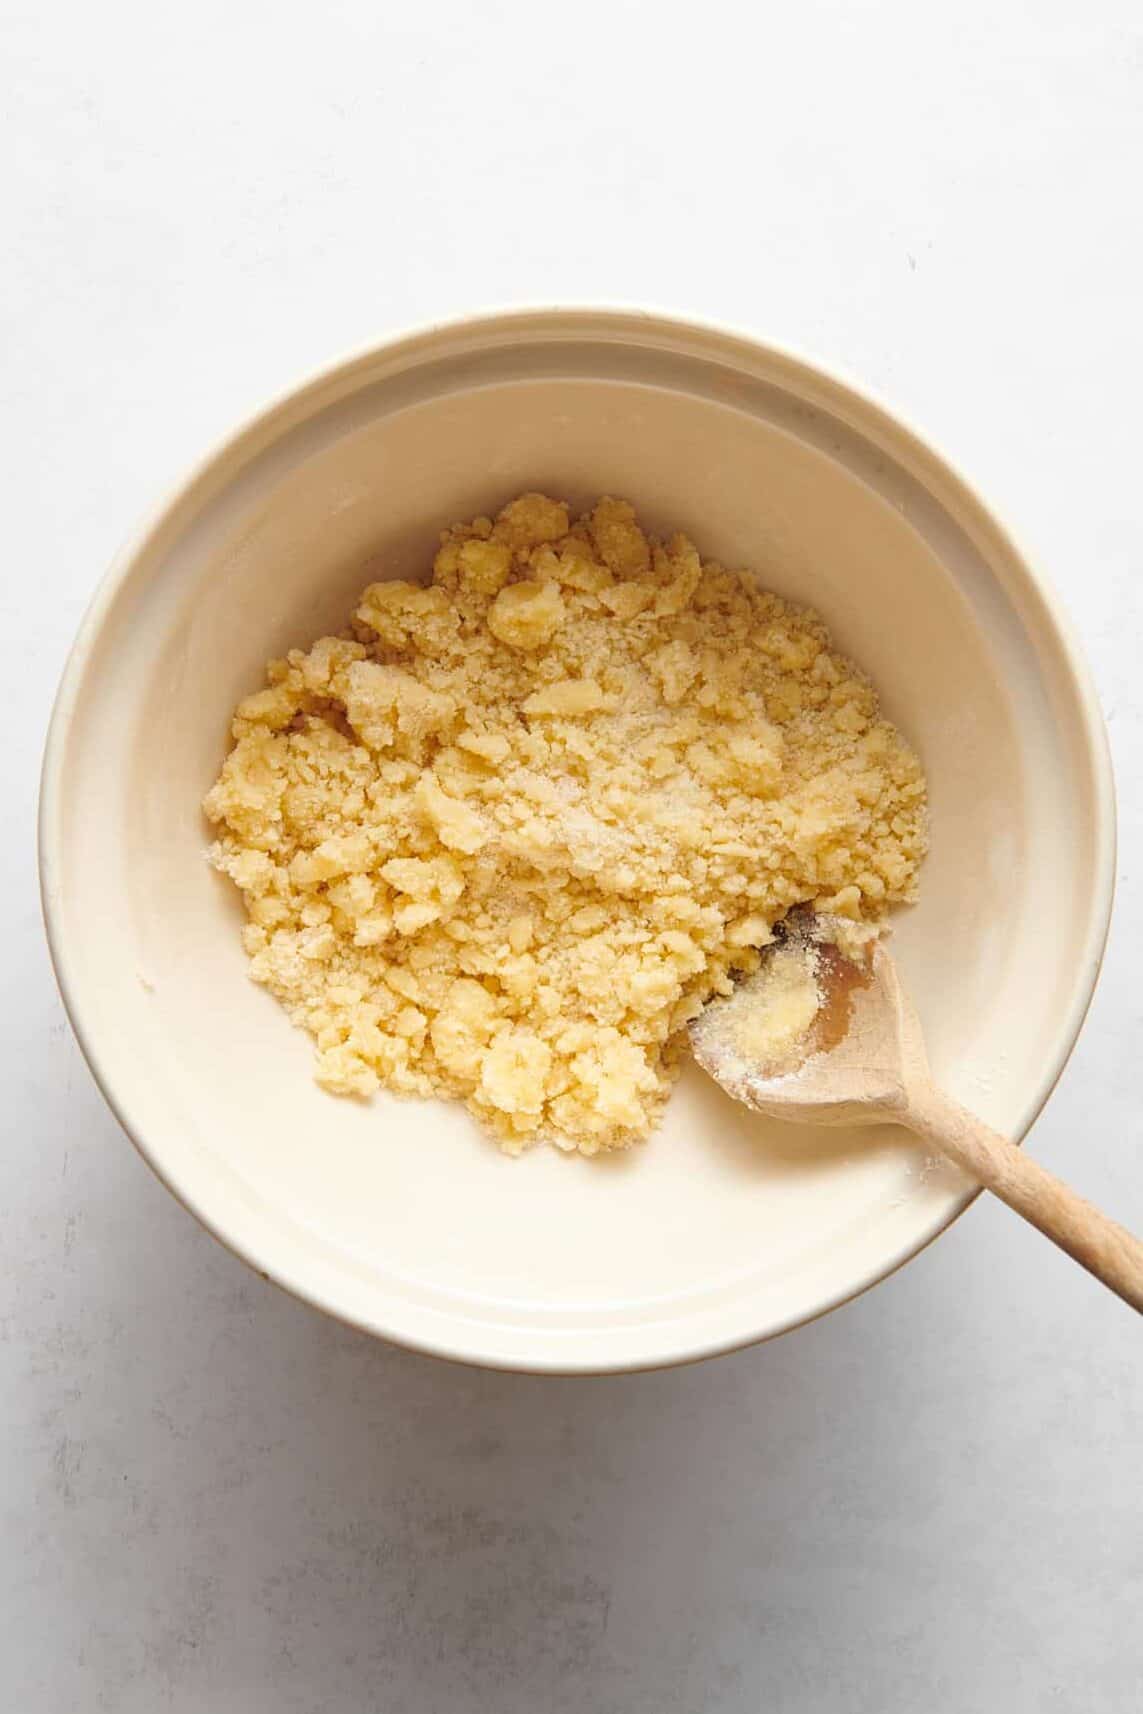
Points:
x=399 y=1217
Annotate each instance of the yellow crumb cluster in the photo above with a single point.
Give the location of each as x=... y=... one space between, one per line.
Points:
x=501 y=839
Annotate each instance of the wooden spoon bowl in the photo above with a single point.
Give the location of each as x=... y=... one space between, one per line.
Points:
x=862 y=1060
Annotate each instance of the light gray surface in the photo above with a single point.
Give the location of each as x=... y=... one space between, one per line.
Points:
x=212 y=1498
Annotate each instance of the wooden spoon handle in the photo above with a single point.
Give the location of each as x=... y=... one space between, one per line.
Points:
x=1097 y=1243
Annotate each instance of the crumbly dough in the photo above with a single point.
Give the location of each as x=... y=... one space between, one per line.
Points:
x=779 y=1009
x=504 y=837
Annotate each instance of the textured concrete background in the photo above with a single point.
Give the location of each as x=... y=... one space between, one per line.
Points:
x=212 y=1499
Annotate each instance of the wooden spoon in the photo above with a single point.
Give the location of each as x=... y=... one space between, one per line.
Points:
x=839 y=1044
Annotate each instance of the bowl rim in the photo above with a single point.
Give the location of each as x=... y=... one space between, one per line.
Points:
x=408 y=342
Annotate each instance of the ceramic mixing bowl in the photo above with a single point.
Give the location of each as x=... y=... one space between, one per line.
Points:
x=398 y=1216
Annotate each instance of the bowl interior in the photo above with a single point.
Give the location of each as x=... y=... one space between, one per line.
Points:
x=400 y=1215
